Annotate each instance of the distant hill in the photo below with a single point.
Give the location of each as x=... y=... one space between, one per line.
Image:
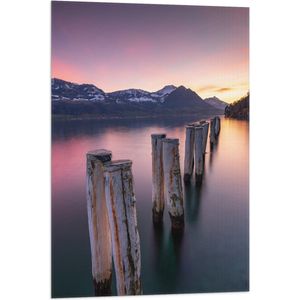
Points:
x=87 y=100
x=216 y=102
x=238 y=109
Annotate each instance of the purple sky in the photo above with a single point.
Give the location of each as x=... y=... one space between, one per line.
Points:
x=119 y=46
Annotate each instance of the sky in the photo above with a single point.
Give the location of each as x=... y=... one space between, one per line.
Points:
x=121 y=46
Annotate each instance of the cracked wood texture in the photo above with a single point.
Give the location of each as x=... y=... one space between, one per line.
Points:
x=199 y=159
x=189 y=152
x=99 y=230
x=173 y=182
x=157 y=177
x=121 y=205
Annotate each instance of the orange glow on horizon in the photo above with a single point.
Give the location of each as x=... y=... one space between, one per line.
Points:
x=118 y=47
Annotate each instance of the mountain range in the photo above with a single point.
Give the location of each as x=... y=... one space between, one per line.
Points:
x=74 y=99
x=216 y=102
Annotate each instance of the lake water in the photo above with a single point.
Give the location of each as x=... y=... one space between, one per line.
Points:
x=212 y=254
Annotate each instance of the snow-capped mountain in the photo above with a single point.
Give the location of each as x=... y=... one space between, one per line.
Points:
x=64 y=90
x=216 y=102
x=131 y=95
x=73 y=99
x=168 y=89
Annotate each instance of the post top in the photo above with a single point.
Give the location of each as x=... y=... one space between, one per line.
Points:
x=171 y=141
x=100 y=154
x=158 y=135
x=115 y=165
x=190 y=126
x=198 y=126
x=193 y=124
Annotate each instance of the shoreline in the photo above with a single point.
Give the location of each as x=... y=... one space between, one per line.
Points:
x=56 y=117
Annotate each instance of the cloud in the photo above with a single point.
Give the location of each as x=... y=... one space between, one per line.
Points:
x=207 y=88
x=214 y=88
x=223 y=90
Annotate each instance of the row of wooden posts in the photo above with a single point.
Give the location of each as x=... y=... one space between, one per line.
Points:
x=111 y=203
x=166 y=174
x=195 y=146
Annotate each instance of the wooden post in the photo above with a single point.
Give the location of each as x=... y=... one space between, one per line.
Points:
x=99 y=231
x=189 y=152
x=173 y=182
x=199 y=161
x=121 y=206
x=205 y=127
x=157 y=178
x=217 y=125
x=212 y=135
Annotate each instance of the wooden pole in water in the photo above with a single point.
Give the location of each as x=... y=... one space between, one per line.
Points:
x=217 y=125
x=205 y=135
x=189 y=152
x=99 y=230
x=173 y=182
x=121 y=206
x=212 y=135
x=158 y=200
x=199 y=159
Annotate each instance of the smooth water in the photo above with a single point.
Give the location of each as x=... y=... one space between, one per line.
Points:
x=211 y=256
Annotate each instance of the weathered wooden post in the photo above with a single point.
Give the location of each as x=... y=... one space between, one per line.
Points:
x=121 y=206
x=205 y=135
x=189 y=152
x=212 y=135
x=217 y=125
x=199 y=160
x=99 y=230
x=158 y=200
x=173 y=182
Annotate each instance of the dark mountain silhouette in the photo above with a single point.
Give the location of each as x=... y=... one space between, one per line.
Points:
x=183 y=97
x=216 y=102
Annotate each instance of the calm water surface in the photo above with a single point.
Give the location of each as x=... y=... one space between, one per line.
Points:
x=212 y=254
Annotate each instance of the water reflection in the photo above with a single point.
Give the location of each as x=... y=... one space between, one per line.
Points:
x=212 y=252
x=192 y=196
x=167 y=255
x=176 y=238
x=213 y=148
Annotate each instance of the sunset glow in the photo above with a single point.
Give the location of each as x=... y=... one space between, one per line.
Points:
x=120 y=46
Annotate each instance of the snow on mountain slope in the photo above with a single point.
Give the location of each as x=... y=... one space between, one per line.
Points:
x=130 y=95
x=71 y=99
x=68 y=91
x=168 y=89
x=63 y=90
x=169 y=96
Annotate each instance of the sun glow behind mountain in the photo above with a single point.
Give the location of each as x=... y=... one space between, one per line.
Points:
x=121 y=46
